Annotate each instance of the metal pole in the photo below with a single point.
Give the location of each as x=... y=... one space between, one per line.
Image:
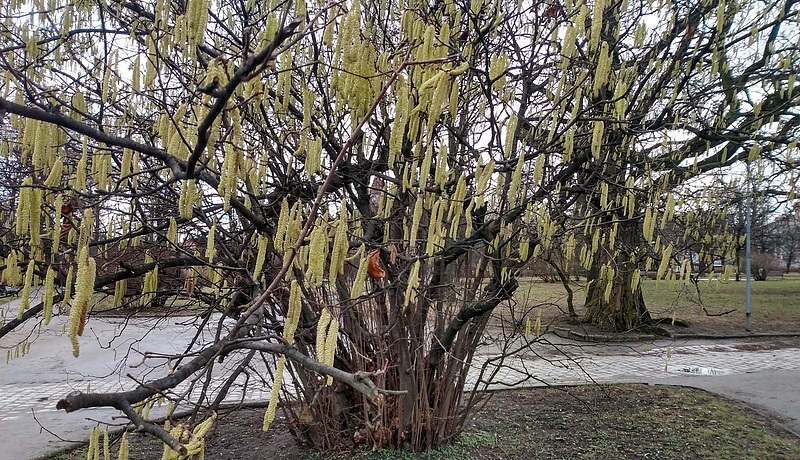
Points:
x=749 y=204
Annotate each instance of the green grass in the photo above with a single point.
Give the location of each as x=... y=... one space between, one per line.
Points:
x=778 y=292
x=775 y=303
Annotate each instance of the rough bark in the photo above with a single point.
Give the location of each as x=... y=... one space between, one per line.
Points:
x=625 y=309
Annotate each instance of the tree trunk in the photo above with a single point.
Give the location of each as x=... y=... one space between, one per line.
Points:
x=565 y=282
x=738 y=266
x=625 y=309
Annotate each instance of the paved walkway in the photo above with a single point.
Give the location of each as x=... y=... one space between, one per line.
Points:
x=760 y=372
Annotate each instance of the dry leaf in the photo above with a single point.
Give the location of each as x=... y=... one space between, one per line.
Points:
x=374 y=268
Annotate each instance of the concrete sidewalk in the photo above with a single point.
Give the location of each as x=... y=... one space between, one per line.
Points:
x=764 y=373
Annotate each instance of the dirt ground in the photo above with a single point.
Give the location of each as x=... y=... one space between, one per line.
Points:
x=587 y=422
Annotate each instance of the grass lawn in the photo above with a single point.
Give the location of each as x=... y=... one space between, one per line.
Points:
x=717 y=306
x=775 y=303
x=587 y=422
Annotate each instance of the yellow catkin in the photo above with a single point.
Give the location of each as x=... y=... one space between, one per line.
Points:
x=293 y=226
x=640 y=35
x=455 y=92
x=24 y=207
x=228 y=175
x=401 y=120
x=293 y=314
x=125 y=165
x=86 y=228
x=511 y=131
x=331 y=340
x=135 y=174
x=647 y=229
x=80 y=169
x=119 y=292
x=25 y=297
x=720 y=16
x=106 y=446
x=601 y=74
x=597 y=138
x=54 y=177
x=137 y=74
x=597 y=23
x=172 y=233
x=49 y=293
x=412 y=237
x=528 y=329
x=101 y=164
x=263 y=242
x=538 y=170
x=269 y=415
x=210 y=249
x=122 y=454
x=359 y=283
x=205 y=426
x=94 y=438
x=433 y=228
x=413 y=283
x=524 y=248
x=609 y=283
x=665 y=257
x=313 y=156
x=30 y=128
x=439 y=98
x=516 y=178
x=635 y=280
x=668 y=212
x=340 y=245
x=283 y=220
x=483 y=180
x=498 y=66
x=322 y=333
x=84 y=286
x=177 y=432
x=35 y=218
x=68 y=287
x=318 y=253
x=182 y=201
x=150 y=285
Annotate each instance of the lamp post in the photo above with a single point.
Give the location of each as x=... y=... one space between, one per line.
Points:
x=748 y=204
